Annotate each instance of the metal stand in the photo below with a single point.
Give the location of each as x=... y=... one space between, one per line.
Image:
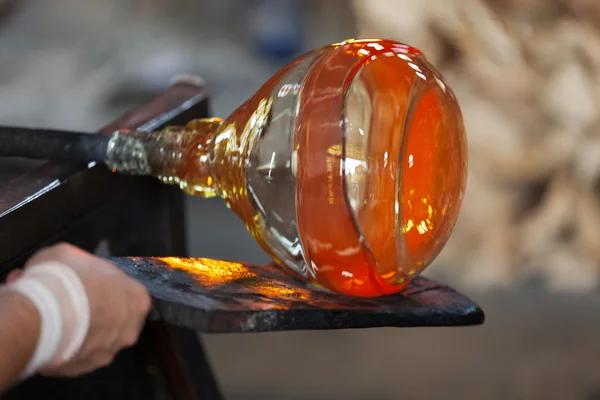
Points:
x=117 y=216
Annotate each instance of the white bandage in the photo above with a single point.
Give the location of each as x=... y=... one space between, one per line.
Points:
x=50 y=326
x=61 y=299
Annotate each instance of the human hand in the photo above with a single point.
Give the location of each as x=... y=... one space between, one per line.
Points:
x=117 y=306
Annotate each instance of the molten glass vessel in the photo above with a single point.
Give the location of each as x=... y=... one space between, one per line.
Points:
x=348 y=166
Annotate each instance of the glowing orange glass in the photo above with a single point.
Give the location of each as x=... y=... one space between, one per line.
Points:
x=348 y=166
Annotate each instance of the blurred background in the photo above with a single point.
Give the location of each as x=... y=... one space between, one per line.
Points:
x=527 y=244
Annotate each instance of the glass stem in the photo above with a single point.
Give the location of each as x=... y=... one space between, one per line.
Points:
x=175 y=155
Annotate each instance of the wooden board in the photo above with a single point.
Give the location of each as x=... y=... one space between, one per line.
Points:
x=217 y=296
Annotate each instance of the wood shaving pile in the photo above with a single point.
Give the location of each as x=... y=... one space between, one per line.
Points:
x=527 y=76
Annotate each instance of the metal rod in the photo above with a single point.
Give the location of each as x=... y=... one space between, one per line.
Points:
x=50 y=144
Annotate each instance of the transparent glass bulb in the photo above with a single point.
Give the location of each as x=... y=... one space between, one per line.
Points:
x=348 y=166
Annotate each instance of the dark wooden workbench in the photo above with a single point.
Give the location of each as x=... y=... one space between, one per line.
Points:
x=45 y=203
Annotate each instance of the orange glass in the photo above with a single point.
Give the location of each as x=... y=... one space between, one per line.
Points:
x=348 y=166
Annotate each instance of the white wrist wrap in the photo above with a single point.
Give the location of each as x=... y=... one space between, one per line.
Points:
x=61 y=299
x=51 y=322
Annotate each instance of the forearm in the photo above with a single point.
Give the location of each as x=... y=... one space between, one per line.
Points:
x=20 y=325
